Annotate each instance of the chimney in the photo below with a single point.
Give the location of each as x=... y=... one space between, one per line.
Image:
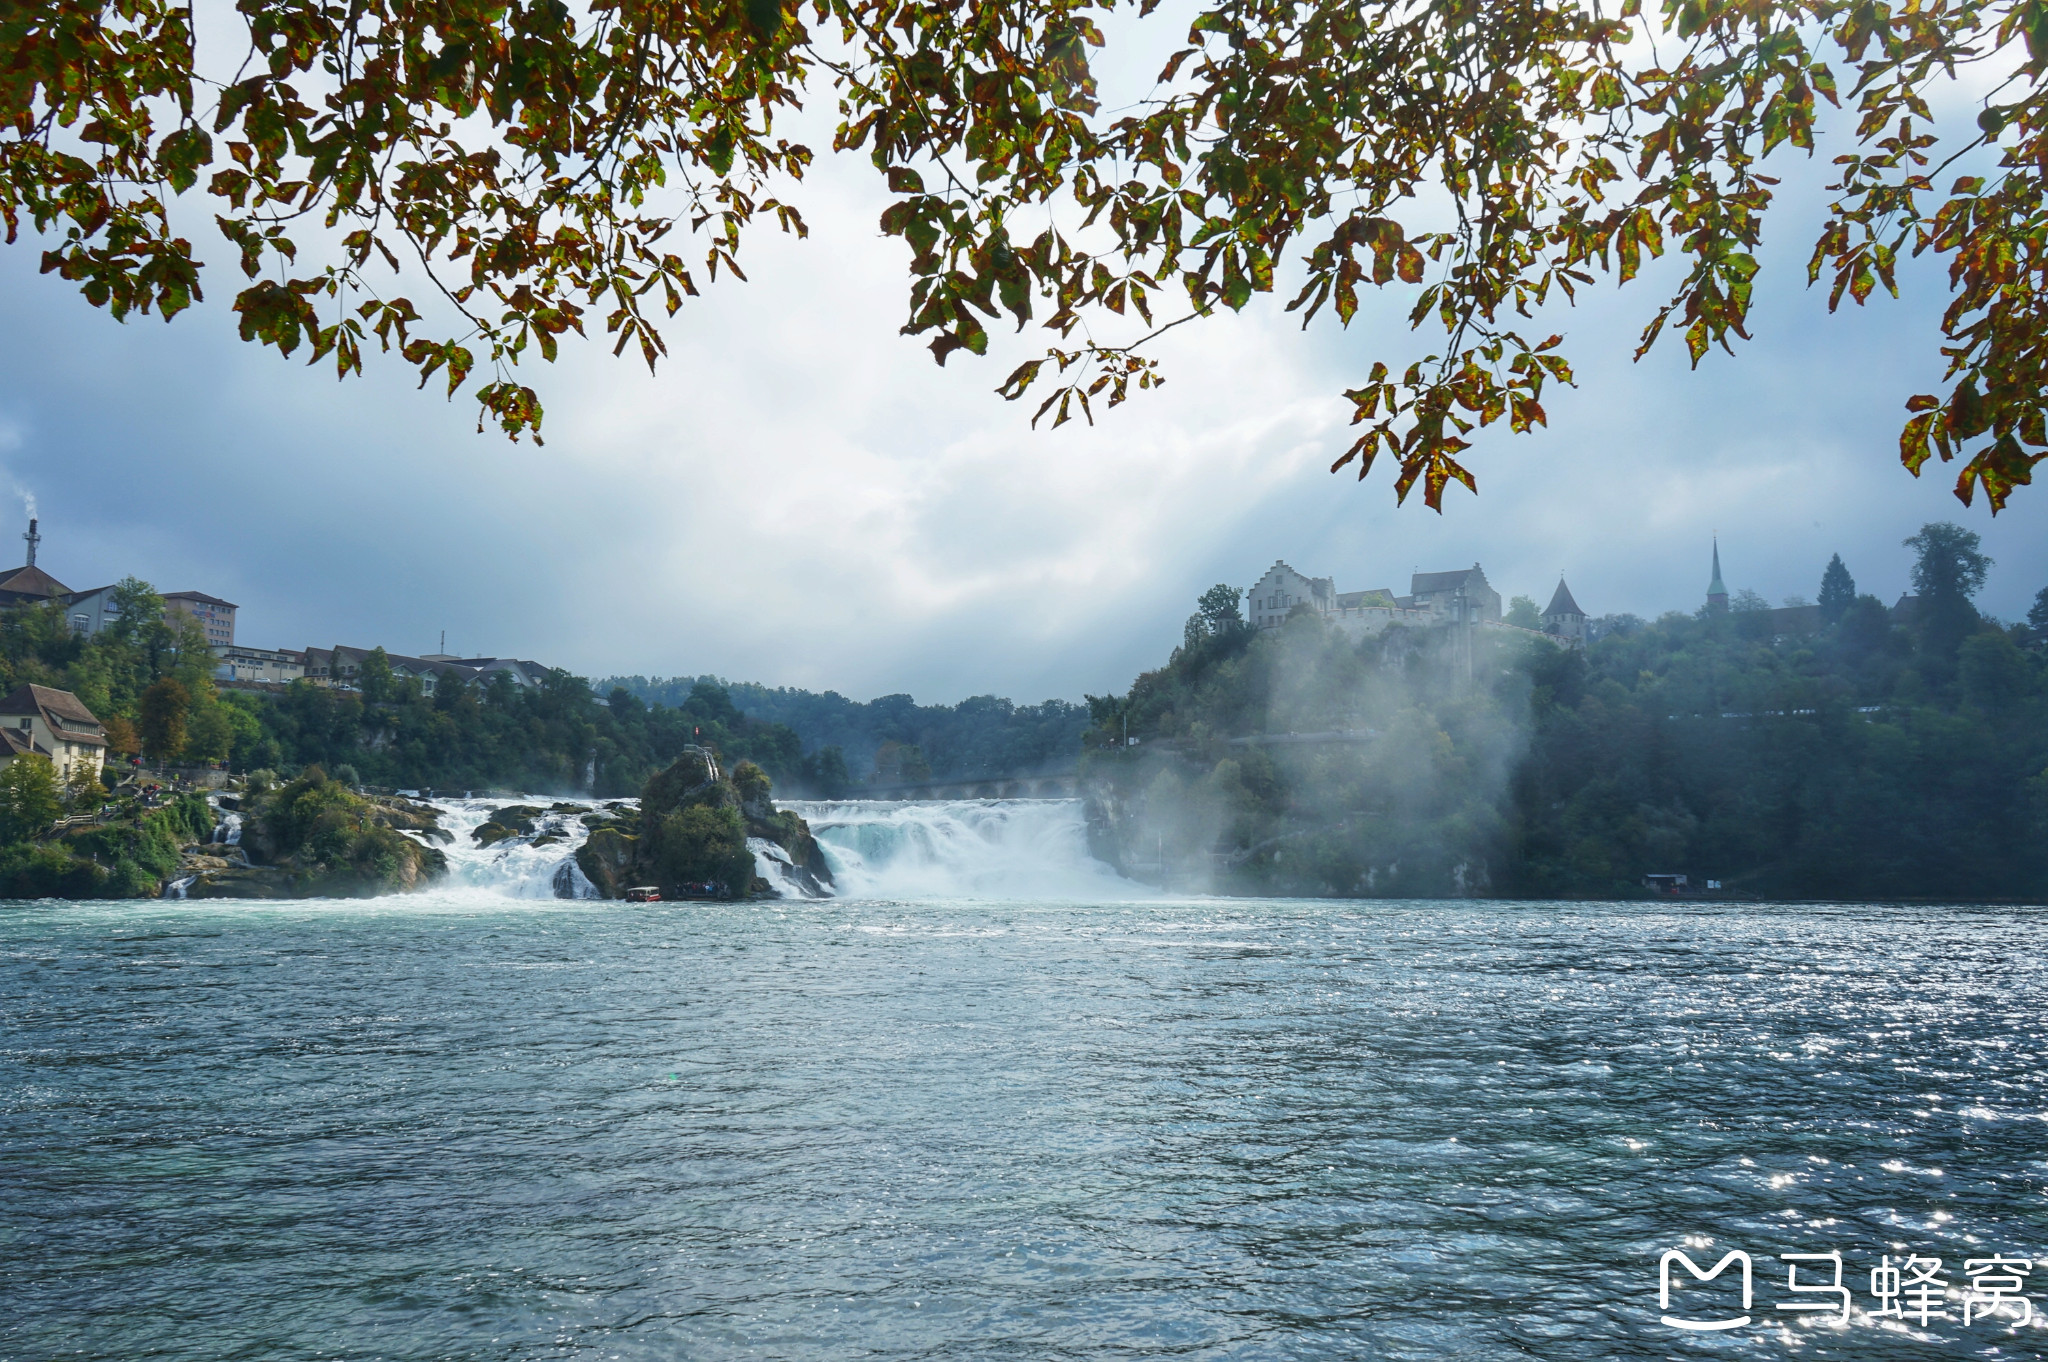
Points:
x=33 y=540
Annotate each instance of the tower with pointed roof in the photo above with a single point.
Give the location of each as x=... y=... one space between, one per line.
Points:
x=1563 y=618
x=1717 y=594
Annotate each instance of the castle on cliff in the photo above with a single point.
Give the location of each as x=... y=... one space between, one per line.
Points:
x=1463 y=596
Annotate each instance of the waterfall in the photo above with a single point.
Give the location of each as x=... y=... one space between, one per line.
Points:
x=516 y=867
x=968 y=848
x=772 y=864
x=228 y=832
x=176 y=888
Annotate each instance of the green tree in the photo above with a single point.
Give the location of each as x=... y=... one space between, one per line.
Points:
x=83 y=791
x=374 y=677
x=1947 y=571
x=1995 y=675
x=165 y=708
x=1837 y=590
x=824 y=775
x=1218 y=608
x=209 y=733
x=454 y=694
x=246 y=743
x=702 y=843
x=138 y=629
x=133 y=606
x=190 y=657
x=29 y=800
x=751 y=781
x=1523 y=614
x=1478 y=162
x=2037 y=614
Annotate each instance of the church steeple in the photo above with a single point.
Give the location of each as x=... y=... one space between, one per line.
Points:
x=1717 y=594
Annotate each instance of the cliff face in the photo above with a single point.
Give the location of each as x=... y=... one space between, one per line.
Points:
x=689 y=835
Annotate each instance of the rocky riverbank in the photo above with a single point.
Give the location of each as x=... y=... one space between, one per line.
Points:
x=697 y=831
x=314 y=837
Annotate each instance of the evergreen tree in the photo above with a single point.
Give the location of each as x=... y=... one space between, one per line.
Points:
x=1837 y=591
x=2037 y=618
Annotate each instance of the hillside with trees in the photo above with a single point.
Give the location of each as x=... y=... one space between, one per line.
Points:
x=150 y=682
x=893 y=738
x=1883 y=753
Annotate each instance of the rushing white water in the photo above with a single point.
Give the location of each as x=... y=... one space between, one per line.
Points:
x=966 y=848
x=516 y=867
x=970 y=848
x=534 y=867
x=228 y=832
x=772 y=864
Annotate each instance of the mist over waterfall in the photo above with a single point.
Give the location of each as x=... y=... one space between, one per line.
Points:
x=969 y=848
x=542 y=866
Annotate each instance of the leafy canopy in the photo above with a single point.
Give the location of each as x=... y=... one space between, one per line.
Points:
x=534 y=164
x=28 y=797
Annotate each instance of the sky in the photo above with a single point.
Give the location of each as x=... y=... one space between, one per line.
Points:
x=801 y=497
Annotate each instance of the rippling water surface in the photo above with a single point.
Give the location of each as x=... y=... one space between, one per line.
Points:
x=459 y=1129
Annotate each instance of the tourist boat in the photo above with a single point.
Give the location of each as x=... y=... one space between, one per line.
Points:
x=643 y=893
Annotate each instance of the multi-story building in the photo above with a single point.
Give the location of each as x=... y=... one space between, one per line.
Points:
x=94 y=610
x=215 y=616
x=525 y=675
x=1462 y=596
x=52 y=723
x=273 y=666
x=91 y=611
x=341 y=667
x=1280 y=590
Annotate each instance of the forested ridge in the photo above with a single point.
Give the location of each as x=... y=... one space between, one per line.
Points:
x=1886 y=753
x=895 y=738
x=564 y=736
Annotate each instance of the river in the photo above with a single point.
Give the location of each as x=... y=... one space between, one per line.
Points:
x=465 y=1124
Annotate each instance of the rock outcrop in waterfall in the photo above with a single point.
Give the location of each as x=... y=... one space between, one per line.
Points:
x=691 y=836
